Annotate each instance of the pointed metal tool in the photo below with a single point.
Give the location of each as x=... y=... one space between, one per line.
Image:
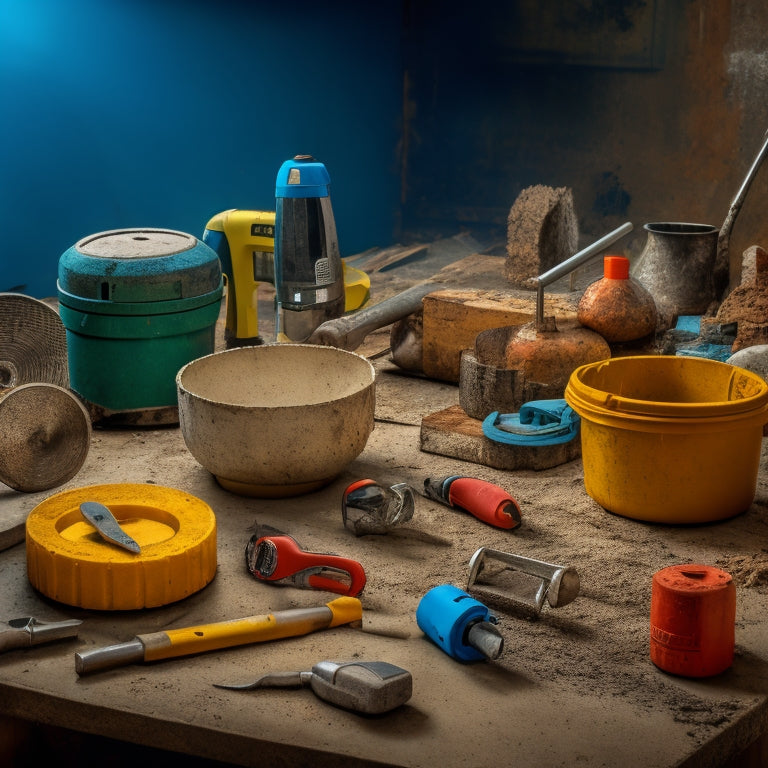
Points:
x=102 y=519
x=28 y=631
x=370 y=687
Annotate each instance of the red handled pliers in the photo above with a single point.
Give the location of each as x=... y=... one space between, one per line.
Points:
x=278 y=557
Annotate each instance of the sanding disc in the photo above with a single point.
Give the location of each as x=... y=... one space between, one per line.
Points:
x=68 y=561
x=33 y=342
x=45 y=435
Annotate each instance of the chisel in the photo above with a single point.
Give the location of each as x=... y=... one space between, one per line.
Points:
x=172 y=643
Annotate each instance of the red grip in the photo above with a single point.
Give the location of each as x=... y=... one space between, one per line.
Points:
x=486 y=501
x=293 y=561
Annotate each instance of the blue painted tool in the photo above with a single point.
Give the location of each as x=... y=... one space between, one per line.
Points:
x=309 y=283
x=462 y=626
x=539 y=422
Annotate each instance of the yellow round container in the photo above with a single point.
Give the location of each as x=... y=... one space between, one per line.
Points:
x=68 y=560
x=669 y=439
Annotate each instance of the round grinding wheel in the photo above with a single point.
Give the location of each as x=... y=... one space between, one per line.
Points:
x=68 y=561
x=45 y=435
x=33 y=342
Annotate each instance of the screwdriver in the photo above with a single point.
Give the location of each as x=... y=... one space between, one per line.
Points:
x=172 y=643
x=368 y=687
x=484 y=500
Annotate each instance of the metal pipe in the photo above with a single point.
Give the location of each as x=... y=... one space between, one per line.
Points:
x=348 y=332
x=561 y=270
x=724 y=236
x=738 y=200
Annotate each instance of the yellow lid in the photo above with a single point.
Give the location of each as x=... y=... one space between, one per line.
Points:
x=68 y=560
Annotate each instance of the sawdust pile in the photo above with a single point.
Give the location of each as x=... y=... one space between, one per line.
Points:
x=542 y=232
x=747 y=570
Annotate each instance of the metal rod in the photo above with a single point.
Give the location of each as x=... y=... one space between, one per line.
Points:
x=575 y=261
x=486 y=639
x=724 y=236
x=100 y=659
x=741 y=194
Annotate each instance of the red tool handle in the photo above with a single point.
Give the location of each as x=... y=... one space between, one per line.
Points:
x=312 y=569
x=484 y=500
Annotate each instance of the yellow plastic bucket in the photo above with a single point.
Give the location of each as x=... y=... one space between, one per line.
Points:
x=669 y=439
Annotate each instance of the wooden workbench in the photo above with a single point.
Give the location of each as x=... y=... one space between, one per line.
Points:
x=574 y=688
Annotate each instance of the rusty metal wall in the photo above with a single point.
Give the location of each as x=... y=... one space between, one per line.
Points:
x=649 y=111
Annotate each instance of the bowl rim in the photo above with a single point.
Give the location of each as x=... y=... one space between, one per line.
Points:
x=183 y=390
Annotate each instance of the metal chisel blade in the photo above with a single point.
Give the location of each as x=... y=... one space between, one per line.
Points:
x=102 y=519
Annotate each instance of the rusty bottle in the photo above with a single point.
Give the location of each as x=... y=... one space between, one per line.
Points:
x=616 y=306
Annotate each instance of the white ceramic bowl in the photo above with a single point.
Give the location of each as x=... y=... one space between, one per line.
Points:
x=278 y=419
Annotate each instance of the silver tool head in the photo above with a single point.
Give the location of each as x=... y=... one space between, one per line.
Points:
x=520 y=584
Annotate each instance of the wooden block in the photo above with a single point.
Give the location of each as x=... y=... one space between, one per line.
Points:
x=452 y=433
x=453 y=318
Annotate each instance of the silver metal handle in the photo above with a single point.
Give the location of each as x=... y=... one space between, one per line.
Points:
x=561 y=270
x=100 y=659
x=349 y=331
x=724 y=236
x=738 y=200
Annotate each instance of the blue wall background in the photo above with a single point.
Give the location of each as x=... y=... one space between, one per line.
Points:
x=161 y=113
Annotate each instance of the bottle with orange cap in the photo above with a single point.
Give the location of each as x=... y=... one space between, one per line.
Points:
x=617 y=306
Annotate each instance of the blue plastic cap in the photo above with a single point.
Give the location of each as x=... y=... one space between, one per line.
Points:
x=303 y=176
x=444 y=614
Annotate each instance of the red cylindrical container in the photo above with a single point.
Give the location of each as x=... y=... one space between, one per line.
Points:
x=693 y=620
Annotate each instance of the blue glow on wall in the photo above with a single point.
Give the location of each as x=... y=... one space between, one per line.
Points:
x=142 y=113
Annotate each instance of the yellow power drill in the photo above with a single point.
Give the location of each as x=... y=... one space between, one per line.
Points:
x=245 y=244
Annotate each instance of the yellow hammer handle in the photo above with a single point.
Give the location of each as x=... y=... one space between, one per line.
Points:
x=253 y=629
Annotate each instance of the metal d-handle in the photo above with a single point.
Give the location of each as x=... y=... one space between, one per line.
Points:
x=561 y=270
x=558 y=584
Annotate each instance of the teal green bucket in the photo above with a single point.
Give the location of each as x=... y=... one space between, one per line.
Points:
x=137 y=306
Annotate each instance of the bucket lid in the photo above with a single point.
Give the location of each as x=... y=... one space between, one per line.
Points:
x=139 y=265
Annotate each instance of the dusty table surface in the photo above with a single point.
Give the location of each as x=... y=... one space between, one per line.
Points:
x=574 y=688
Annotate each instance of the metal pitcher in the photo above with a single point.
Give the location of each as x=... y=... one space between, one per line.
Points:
x=677 y=266
x=686 y=267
